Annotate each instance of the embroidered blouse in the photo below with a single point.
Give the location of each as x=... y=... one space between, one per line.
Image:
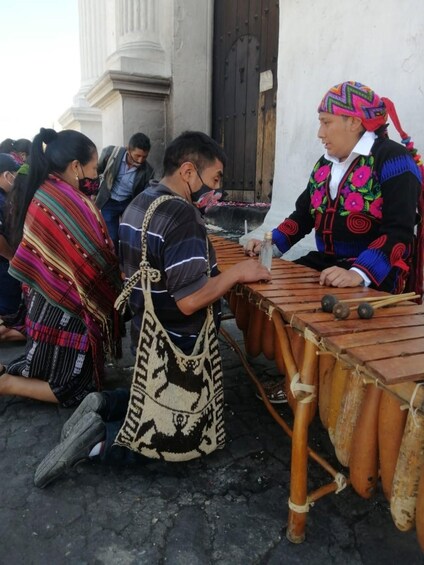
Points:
x=371 y=219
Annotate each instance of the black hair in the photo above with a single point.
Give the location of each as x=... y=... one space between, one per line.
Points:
x=7 y=145
x=193 y=146
x=13 y=227
x=51 y=152
x=139 y=141
x=22 y=146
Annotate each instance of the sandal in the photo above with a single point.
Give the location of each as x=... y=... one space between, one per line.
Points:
x=3 y=369
x=274 y=391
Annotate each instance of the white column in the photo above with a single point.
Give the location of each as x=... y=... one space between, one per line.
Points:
x=92 y=39
x=139 y=32
x=92 y=33
x=135 y=16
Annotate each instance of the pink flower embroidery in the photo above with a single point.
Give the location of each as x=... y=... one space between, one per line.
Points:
x=361 y=176
x=376 y=208
x=322 y=173
x=316 y=199
x=354 y=202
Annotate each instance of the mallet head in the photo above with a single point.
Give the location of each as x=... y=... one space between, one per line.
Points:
x=328 y=301
x=365 y=310
x=341 y=311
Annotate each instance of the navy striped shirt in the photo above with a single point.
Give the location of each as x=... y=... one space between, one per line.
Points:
x=176 y=246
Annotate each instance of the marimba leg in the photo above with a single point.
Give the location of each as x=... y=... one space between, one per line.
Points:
x=298 y=502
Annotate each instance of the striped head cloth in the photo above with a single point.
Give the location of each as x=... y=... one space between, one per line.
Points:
x=357 y=100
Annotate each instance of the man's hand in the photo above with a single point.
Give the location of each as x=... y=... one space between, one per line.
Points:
x=253 y=247
x=336 y=276
x=251 y=271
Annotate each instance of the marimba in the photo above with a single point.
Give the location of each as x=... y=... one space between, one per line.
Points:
x=361 y=375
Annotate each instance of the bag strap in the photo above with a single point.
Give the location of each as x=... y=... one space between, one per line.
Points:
x=146 y=272
x=109 y=164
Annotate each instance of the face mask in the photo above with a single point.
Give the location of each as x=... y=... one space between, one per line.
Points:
x=205 y=198
x=88 y=186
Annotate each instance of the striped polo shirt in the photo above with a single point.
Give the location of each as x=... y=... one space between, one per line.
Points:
x=176 y=246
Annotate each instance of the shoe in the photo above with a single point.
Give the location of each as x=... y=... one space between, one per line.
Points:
x=89 y=431
x=274 y=391
x=93 y=402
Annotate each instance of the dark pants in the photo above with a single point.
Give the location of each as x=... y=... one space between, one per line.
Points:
x=113 y=415
x=112 y=212
x=10 y=291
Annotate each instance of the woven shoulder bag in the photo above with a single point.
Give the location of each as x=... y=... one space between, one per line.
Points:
x=175 y=411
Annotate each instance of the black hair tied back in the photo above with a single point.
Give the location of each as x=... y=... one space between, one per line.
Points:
x=47 y=135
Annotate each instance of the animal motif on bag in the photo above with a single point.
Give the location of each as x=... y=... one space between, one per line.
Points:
x=174 y=376
x=180 y=441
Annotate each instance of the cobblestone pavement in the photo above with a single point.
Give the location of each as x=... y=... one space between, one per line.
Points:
x=228 y=508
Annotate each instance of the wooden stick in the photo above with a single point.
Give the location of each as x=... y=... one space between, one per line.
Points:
x=383 y=300
x=366 y=309
x=406 y=296
x=395 y=299
x=342 y=310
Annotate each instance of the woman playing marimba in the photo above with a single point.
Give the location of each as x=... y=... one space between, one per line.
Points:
x=361 y=198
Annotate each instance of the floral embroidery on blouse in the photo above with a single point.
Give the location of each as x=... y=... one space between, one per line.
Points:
x=360 y=193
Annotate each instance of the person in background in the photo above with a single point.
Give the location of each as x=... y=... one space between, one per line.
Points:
x=361 y=198
x=6 y=146
x=10 y=288
x=126 y=172
x=67 y=259
x=18 y=149
x=177 y=245
x=12 y=326
x=21 y=150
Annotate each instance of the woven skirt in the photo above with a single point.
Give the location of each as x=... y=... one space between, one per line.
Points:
x=57 y=351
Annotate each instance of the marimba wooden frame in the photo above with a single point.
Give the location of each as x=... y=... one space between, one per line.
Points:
x=285 y=313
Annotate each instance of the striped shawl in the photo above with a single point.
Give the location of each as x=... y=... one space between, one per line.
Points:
x=67 y=256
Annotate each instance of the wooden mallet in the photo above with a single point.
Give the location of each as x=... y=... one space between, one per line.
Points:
x=366 y=307
x=328 y=301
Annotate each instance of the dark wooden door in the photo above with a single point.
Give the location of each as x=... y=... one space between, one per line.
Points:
x=244 y=93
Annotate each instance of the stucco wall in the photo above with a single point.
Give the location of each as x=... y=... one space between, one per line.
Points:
x=323 y=43
x=190 y=100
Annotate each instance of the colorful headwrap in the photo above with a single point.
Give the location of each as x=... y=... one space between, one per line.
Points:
x=357 y=100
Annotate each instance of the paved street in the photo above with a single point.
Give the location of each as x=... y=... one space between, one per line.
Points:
x=228 y=508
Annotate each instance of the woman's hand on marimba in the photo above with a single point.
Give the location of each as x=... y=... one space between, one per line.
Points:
x=337 y=276
x=251 y=270
x=252 y=248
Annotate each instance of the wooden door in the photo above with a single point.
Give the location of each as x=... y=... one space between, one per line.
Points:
x=244 y=93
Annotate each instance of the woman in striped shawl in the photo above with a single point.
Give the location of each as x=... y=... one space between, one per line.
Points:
x=68 y=261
